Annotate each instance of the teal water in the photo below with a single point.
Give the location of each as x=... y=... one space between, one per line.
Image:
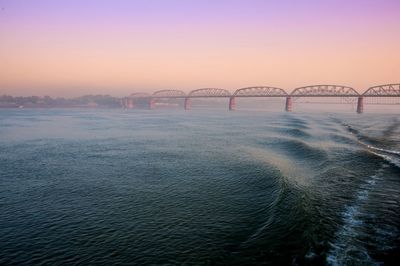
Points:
x=198 y=188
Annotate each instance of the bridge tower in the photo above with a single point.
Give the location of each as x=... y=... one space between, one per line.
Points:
x=360 y=105
x=187 y=104
x=289 y=104
x=232 y=103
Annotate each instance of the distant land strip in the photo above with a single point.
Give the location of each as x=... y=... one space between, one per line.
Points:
x=107 y=101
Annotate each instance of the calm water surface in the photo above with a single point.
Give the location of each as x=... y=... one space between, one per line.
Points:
x=198 y=188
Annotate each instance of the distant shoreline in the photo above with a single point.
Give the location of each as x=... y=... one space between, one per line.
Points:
x=58 y=107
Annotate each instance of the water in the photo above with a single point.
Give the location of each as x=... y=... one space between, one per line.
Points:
x=199 y=187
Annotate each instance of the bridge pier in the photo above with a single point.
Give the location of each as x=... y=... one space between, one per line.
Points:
x=129 y=103
x=360 y=105
x=151 y=103
x=187 y=104
x=289 y=104
x=232 y=103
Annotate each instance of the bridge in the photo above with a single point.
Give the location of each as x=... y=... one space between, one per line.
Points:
x=320 y=91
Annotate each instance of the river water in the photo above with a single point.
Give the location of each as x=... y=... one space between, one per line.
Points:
x=201 y=187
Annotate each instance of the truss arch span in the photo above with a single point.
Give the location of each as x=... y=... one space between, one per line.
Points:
x=139 y=95
x=260 y=91
x=209 y=92
x=169 y=94
x=325 y=91
x=388 y=90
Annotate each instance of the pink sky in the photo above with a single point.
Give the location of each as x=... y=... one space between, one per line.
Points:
x=70 y=48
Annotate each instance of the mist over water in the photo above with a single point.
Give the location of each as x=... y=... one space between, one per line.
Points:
x=199 y=187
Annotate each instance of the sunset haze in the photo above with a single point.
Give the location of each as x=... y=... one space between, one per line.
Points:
x=71 y=48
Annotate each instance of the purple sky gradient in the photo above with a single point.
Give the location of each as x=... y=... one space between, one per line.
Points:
x=160 y=30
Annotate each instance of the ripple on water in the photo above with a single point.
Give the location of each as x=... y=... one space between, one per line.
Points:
x=150 y=187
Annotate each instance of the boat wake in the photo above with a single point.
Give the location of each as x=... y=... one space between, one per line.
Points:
x=389 y=155
x=346 y=247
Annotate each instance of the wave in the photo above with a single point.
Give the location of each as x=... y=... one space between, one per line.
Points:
x=301 y=150
x=297 y=122
x=384 y=150
x=338 y=138
x=294 y=132
x=362 y=137
x=393 y=161
x=282 y=192
x=389 y=155
x=346 y=247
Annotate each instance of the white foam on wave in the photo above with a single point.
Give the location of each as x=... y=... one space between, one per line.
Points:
x=345 y=244
x=384 y=150
x=344 y=237
x=392 y=160
x=390 y=156
x=370 y=147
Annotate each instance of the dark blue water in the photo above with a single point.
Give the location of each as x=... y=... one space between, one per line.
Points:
x=198 y=188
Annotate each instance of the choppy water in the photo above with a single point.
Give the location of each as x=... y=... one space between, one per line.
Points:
x=198 y=187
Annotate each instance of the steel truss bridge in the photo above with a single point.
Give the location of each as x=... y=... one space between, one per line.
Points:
x=313 y=91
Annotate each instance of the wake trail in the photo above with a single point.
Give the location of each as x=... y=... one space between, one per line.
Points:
x=345 y=242
x=389 y=155
x=345 y=245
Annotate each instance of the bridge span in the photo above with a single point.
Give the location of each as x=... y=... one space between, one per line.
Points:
x=320 y=91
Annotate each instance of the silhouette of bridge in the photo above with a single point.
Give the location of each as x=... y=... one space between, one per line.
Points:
x=313 y=91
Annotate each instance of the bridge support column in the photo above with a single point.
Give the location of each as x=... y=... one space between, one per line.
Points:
x=360 y=105
x=289 y=104
x=129 y=103
x=151 y=103
x=232 y=103
x=187 y=104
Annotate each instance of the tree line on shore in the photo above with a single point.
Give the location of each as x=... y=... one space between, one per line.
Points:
x=90 y=101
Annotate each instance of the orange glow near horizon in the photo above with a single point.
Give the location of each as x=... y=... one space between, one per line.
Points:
x=58 y=57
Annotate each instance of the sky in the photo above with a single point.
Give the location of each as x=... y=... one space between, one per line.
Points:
x=74 y=47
